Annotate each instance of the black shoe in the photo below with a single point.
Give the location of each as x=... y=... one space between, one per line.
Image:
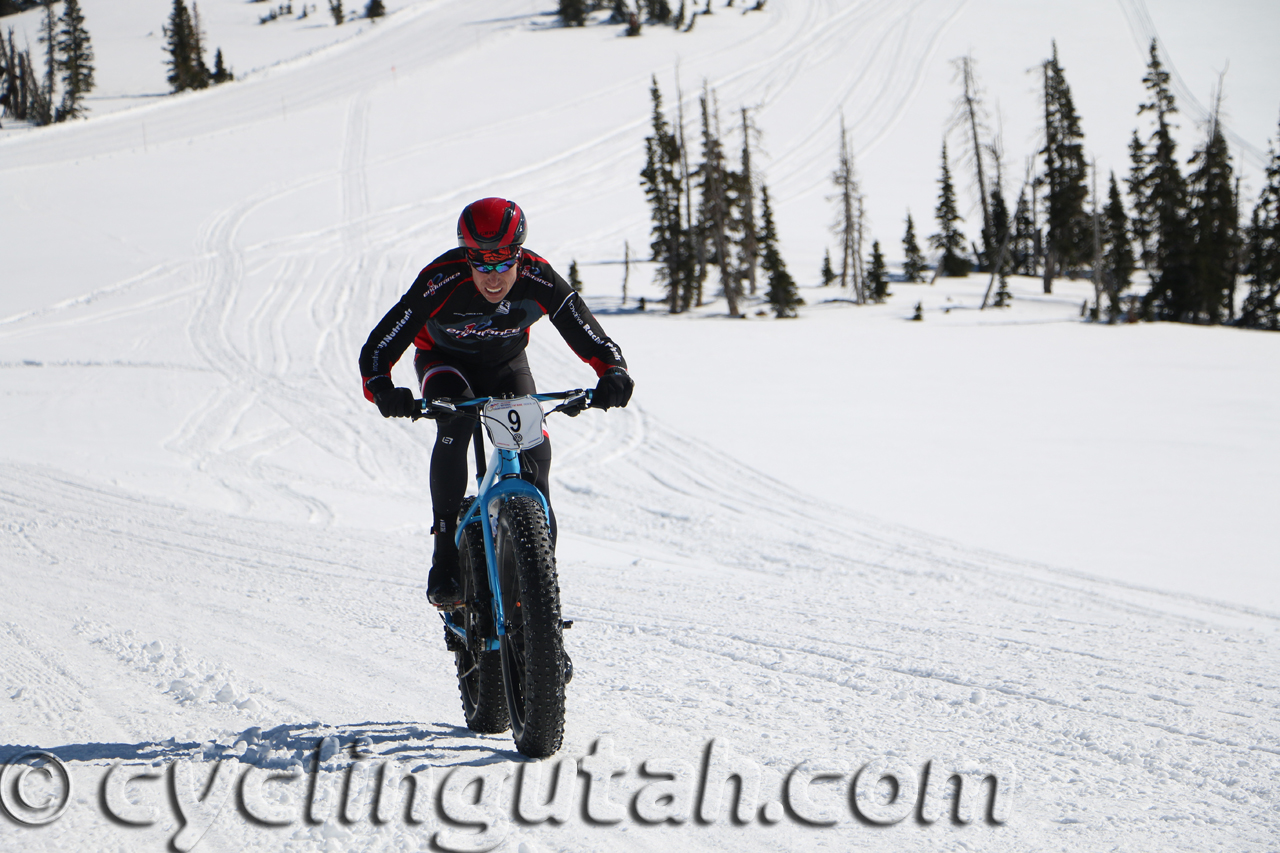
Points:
x=446 y=596
x=443 y=590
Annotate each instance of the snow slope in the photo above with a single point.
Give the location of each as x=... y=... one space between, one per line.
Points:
x=213 y=548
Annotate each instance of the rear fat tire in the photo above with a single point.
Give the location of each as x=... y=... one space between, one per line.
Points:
x=532 y=650
x=484 y=703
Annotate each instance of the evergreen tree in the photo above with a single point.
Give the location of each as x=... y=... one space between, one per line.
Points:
x=713 y=212
x=186 y=63
x=75 y=61
x=949 y=240
x=1140 y=224
x=574 y=280
x=999 y=231
x=659 y=11
x=48 y=37
x=221 y=74
x=1022 y=250
x=1261 y=309
x=573 y=13
x=1214 y=225
x=782 y=295
x=1069 y=235
x=877 y=274
x=374 y=9
x=914 y=267
x=1161 y=203
x=335 y=9
x=828 y=274
x=1117 y=251
x=200 y=73
x=662 y=181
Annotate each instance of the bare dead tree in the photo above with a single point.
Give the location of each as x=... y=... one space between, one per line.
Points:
x=971 y=115
x=749 y=248
x=846 y=225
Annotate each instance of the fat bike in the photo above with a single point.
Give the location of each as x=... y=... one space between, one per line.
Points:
x=507 y=636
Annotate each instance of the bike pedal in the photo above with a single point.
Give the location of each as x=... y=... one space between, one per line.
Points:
x=566 y=624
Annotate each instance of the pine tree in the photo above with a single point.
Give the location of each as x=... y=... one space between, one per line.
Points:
x=1261 y=309
x=1214 y=226
x=48 y=37
x=782 y=295
x=75 y=61
x=877 y=274
x=1161 y=204
x=335 y=9
x=200 y=75
x=1069 y=234
x=828 y=274
x=659 y=11
x=186 y=64
x=573 y=13
x=913 y=268
x=574 y=280
x=1022 y=250
x=374 y=9
x=1117 y=251
x=949 y=240
x=662 y=180
x=1140 y=224
x=999 y=231
x=713 y=212
x=221 y=74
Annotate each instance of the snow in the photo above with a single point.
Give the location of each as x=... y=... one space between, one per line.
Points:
x=999 y=539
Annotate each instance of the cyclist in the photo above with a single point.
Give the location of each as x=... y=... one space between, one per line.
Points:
x=469 y=312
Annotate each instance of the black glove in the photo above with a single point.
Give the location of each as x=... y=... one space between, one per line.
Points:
x=613 y=389
x=392 y=402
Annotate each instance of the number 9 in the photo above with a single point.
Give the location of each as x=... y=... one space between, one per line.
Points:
x=513 y=417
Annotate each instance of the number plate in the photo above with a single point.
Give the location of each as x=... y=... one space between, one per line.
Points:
x=514 y=424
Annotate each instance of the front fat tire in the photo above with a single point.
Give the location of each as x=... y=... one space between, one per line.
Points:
x=533 y=649
x=484 y=701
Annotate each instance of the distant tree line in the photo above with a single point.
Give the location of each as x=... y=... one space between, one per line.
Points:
x=573 y=13
x=1184 y=230
x=705 y=216
x=185 y=46
x=28 y=95
x=13 y=7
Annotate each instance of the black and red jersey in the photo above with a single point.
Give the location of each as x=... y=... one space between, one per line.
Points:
x=444 y=312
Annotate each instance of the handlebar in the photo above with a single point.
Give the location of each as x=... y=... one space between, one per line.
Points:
x=573 y=402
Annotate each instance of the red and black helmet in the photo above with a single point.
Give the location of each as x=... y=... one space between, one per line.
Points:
x=491 y=225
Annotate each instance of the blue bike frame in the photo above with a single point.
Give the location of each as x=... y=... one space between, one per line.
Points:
x=499 y=480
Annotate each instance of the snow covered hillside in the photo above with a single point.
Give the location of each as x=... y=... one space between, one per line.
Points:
x=1001 y=541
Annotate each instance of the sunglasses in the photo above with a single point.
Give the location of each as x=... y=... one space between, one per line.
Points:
x=480 y=262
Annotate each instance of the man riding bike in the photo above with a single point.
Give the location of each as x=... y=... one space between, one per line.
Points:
x=469 y=312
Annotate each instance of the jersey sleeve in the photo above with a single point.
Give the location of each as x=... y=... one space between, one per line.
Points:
x=579 y=327
x=397 y=329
